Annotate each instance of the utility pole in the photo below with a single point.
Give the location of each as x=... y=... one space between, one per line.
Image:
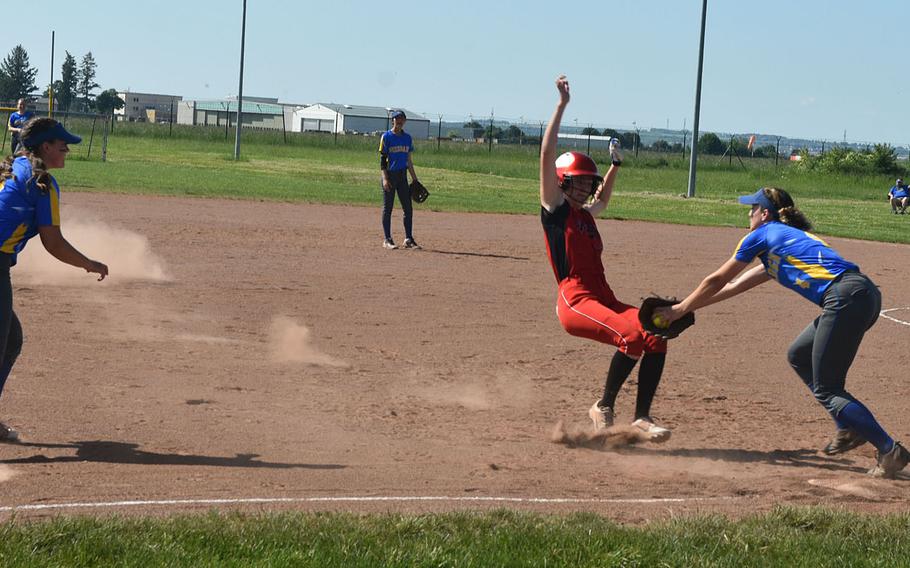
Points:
x=240 y=87
x=491 y=131
x=693 y=156
x=50 y=89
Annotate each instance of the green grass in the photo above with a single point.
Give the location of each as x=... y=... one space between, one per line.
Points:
x=784 y=537
x=317 y=168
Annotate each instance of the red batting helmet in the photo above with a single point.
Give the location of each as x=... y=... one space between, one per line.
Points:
x=575 y=164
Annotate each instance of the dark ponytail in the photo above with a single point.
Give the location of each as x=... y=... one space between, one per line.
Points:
x=786 y=209
x=39 y=170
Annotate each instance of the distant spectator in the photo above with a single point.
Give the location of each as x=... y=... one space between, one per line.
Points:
x=899 y=196
x=17 y=121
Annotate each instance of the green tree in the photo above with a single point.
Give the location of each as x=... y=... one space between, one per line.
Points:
x=589 y=131
x=17 y=76
x=661 y=146
x=496 y=132
x=65 y=88
x=630 y=140
x=512 y=133
x=86 y=79
x=710 y=144
x=611 y=133
x=108 y=101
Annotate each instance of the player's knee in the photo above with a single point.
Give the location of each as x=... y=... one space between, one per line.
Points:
x=797 y=356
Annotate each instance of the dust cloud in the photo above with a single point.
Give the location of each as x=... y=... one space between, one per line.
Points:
x=6 y=473
x=610 y=438
x=127 y=254
x=290 y=342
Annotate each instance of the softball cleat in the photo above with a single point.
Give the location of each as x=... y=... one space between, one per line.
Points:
x=651 y=431
x=844 y=440
x=602 y=416
x=889 y=464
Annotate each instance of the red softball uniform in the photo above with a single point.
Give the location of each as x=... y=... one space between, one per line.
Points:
x=585 y=304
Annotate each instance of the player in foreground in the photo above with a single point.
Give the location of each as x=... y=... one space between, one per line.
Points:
x=572 y=193
x=29 y=206
x=822 y=354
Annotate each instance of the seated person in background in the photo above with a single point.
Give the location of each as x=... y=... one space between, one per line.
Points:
x=899 y=196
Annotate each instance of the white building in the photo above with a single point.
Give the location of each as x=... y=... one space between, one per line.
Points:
x=330 y=117
x=147 y=107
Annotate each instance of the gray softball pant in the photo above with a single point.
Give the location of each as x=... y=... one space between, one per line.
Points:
x=822 y=354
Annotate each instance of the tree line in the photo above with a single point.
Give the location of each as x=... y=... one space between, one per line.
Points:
x=74 y=91
x=708 y=143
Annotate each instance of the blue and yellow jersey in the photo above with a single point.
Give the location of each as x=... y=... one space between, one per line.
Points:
x=17 y=120
x=797 y=259
x=396 y=148
x=24 y=208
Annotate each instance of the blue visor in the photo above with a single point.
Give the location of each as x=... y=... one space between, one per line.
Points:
x=397 y=113
x=55 y=133
x=759 y=198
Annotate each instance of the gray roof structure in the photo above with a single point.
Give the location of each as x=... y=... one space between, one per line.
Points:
x=369 y=111
x=249 y=107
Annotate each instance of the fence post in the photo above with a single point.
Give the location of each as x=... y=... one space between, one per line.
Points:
x=170 y=131
x=104 y=141
x=91 y=138
x=5 y=130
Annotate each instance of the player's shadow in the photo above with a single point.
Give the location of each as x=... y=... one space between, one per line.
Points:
x=785 y=458
x=481 y=254
x=105 y=451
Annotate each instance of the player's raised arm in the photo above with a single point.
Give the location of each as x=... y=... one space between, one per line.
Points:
x=605 y=191
x=551 y=196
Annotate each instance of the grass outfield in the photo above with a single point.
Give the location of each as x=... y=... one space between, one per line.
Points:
x=784 y=537
x=465 y=177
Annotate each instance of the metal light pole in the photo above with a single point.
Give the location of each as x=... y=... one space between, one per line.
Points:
x=693 y=155
x=50 y=89
x=240 y=87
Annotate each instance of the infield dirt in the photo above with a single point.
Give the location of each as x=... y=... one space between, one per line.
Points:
x=253 y=349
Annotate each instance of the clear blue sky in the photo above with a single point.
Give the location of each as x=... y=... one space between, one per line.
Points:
x=804 y=69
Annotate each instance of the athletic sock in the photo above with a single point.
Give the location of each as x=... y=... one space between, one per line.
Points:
x=649 y=373
x=858 y=418
x=620 y=368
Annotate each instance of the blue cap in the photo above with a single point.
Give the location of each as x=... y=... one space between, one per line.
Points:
x=397 y=113
x=759 y=198
x=57 y=132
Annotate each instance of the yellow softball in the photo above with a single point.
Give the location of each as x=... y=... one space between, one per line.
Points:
x=660 y=321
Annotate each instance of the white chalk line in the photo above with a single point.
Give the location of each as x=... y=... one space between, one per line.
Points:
x=359 y=499
x=884 y=314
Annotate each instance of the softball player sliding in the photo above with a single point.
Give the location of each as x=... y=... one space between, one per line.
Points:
x=822 y=354
x=572 y=193
x=29 y=206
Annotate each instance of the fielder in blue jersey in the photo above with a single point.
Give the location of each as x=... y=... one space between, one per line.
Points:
x=29 y=206
x=17 y=122
x=822 y=354
x=395 y=148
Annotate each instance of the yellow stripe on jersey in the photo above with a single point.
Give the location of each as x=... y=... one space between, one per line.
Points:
x=740 y=243
x=811 y=236
x=815 y=271
x=9 y=247
x=55 y=207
